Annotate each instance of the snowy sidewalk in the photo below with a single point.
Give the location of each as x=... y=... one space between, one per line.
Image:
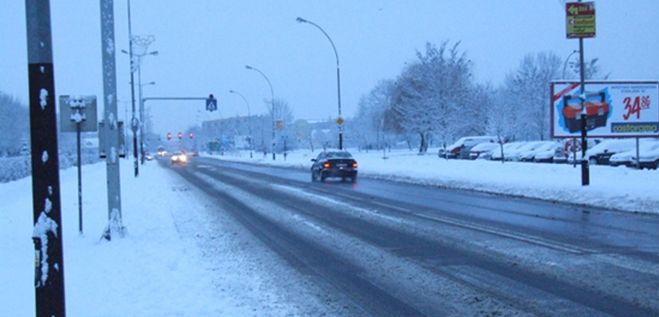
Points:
x=159 y=268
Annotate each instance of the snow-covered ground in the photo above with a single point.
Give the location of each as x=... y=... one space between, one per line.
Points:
x=181 y=257
x=618 y=188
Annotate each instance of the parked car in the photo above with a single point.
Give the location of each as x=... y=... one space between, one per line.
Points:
x=460 y=149
x=334 y=164
x=542 y=154
x=650 y=158
x=483 y=150
x=515 y=155
x=648 y=152
x=507 y=148
x=571 y=150
x=601 y=152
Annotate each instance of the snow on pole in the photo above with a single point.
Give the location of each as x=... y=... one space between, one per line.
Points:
x=111 y=127
x=47 y=232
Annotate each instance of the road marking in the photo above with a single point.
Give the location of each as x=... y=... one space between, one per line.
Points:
x=516 y=236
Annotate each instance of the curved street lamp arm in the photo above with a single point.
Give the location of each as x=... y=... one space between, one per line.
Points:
x=336 y=54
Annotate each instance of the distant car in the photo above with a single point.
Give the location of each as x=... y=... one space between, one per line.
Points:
x=542 y=154
x=507 y=148
x=650 y=158
x=334 y=164
x=179 y=158
x=648 y=153
x=460 y=149
x=148 y=156
x=516 y=154
x=571 y=150
x=483 y=150
x=161 y=152
x=601 y=152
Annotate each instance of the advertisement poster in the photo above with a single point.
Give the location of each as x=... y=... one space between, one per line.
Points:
x=613 y=109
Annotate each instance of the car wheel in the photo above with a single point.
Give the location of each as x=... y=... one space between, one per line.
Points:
x=322 y=177
x=313 y=177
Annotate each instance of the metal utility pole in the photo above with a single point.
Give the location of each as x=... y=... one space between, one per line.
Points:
x=585 y=170
x=272 y=94
x=339 y=120
x=249 y=123
x=111 y=124
x=46 y=206
x=580 y=23
x=133 y=121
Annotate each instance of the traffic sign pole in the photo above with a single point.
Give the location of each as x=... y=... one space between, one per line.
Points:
x=580 y=23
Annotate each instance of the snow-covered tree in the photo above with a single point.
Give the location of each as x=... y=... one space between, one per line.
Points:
x=14 y=120
x=433 y=95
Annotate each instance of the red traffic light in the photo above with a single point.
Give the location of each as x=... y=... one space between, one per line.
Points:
x=180 y=135
x=169 y=135
x=191 y=135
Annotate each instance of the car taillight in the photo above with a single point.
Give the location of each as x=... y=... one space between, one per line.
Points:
x=327 y=165
x=354 y=165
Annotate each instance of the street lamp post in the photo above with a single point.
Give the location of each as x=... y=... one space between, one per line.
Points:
x=272 y=101
x=249 y=117
x=136 y=63
x=338 y=77
x=133 y=120
x=139 y=80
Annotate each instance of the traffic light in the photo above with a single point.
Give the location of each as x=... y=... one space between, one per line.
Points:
x=169 y=136
x=191 y=135
x=180 y=135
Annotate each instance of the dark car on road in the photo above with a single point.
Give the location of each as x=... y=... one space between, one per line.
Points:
x=339 y=164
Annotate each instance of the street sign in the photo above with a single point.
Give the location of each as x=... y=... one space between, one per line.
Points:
x=340 y=121
x=613 y=109
x=211 y=103
x=76 y=110
x=279 y=124
x=580 y=19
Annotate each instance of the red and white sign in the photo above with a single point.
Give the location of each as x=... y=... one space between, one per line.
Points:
x=613 y=109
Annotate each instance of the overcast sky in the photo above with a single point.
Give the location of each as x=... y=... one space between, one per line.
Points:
x=204 y=45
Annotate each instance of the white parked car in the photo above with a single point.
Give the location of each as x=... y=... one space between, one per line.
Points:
x=461 y=147
x=507 y=148
x=483 y=150
x=602 y=152
x=515 y=155
x=543 y=154
x=648 y=152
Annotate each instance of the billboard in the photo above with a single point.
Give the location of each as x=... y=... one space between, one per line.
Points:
x=613 y=109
